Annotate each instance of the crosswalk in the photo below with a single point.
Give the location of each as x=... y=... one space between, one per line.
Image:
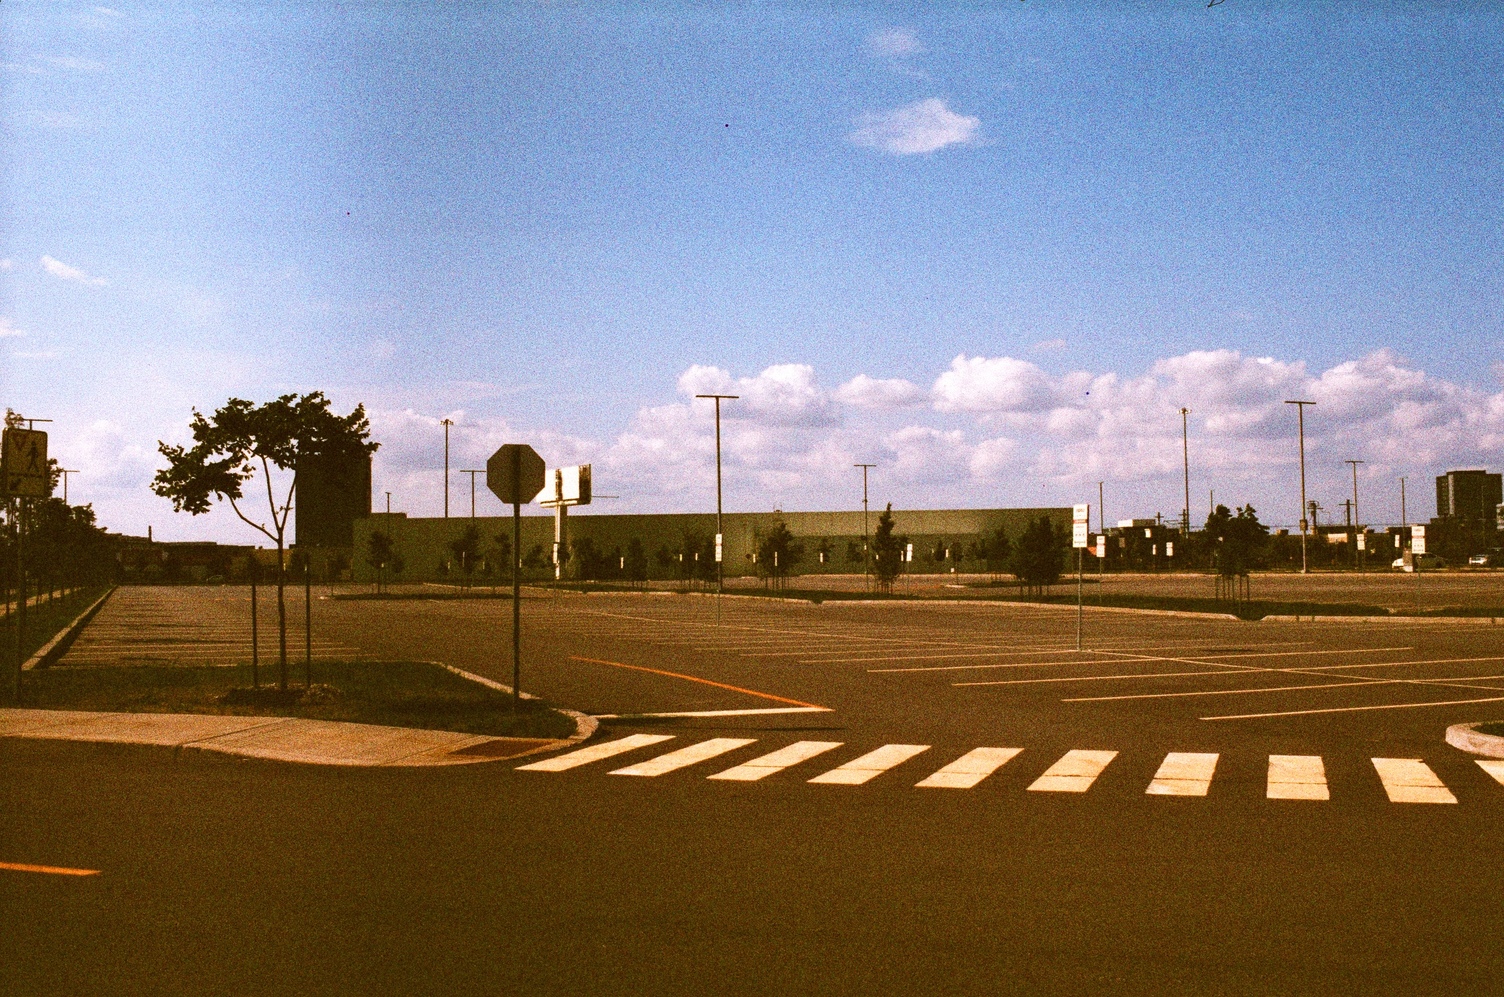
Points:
x=1181 y=773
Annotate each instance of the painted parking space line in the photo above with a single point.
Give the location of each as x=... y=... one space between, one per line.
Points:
x=777 y=761
x=1223 y=692
x=1095 y=678
x=868 y=766
x=1354 y=709
x=49 y=870
x=714 y=713
x=595 y=753
x=1410 y=780
x=1297 y=777
x=1074 y=772
x=1494 y=767
x=684 y=757
x=970 y=769
x=1184 y=773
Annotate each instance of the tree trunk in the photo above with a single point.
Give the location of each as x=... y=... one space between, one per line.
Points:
x=281 y=619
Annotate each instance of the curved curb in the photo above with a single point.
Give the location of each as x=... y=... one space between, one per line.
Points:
x=63 y=639
x=584 y=726
x=1465 y=737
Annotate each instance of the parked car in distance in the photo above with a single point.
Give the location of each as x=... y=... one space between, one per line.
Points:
x=1480 y=561
x=1427 y=562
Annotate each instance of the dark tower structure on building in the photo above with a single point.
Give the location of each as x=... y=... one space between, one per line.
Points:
x=1468 y=495
x=333 y=492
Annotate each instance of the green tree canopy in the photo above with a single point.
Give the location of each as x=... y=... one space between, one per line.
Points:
x=1239 y=542
x=1039 y=556
x=887 y=550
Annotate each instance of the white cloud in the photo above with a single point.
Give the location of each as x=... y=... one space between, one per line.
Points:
x=60 y=269
x=874 y=393
x=8 y=328
x=920 y=127
x=784 y=394
x=1000 y=384
x=7 y=263
x=894 y=42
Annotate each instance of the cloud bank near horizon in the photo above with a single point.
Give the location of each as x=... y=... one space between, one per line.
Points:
x=986 y=431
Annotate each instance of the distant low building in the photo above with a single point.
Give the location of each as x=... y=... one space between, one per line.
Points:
x=1469 y=495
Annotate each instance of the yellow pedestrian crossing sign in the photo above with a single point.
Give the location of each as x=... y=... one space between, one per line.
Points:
x=23 y=464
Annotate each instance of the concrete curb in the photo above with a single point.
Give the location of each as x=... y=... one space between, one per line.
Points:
x=1465 y=737
x=584 y=726
x=1482 y=621
x=54 y=648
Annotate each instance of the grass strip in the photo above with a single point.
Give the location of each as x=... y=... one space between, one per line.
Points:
x=43 y=622
x=391 y=693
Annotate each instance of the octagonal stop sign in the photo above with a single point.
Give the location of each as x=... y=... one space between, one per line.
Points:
x=515 y=473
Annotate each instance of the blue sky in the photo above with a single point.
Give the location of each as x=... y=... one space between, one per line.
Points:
x=993 y=250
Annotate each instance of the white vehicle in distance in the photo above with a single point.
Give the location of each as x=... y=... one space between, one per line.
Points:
x=1427 y=562
x=1480 y=561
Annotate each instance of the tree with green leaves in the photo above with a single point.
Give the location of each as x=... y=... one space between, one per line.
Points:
x=999 y=550
x=1039 y=556
x=777 y=553
x=381 y=554
x=466 y=550
x=887 y=551
x=242 y=442
x=1238 y=541
x=637 y=561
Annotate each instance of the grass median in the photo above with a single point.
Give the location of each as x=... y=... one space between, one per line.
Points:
x=392 y=693
x=44 y=620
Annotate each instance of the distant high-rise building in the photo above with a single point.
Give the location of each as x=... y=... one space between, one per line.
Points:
x=1468 y=495
x=332 y=494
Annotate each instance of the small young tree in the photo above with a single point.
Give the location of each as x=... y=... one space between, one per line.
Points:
x=381 y=554
x=999 y=551
x=1039 y=556
x=466 y=550
x=776 y=554
x=637 y=561
x=887 y=551
x=242 y=441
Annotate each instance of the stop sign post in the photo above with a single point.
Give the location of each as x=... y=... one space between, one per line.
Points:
x=515 y=475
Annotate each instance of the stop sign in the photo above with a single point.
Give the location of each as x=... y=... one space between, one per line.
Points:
x=515 y=473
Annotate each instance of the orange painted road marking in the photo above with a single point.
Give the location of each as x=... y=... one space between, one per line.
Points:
x=694 y=678
x=50 y=869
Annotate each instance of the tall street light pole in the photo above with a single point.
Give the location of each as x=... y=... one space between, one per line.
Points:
x=472 y=489
x=1300 y=408
x=866 y=556
x=447 y=422
x=720 y=536
x=1404 y=520
x=1357 y=521
x=1185 y=456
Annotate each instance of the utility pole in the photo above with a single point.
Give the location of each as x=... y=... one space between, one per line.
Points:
x=65 y=472
x=1185 y=453
x=472 y=488
x=1357 y=521
x=388 y=503
x=1300 y=408
x=447 y=422
x=866 y=555
x=1404 y=520
x=720 y=536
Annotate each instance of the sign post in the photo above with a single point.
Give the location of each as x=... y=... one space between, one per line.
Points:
x=515 y=475
x=23 y=475
x=1417 y=549
x=1080 y=540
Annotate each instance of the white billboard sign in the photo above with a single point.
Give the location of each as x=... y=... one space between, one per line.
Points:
x=567 y=486
x=1081 y=513
x=1078 y=535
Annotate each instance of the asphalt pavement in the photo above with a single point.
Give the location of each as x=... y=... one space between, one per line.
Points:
x=956 y=801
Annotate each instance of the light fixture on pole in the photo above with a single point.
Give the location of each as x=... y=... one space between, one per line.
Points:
x=1300 y=408
x=446 y=422
x=720 y=536
x=866 y=555
x=472 y=488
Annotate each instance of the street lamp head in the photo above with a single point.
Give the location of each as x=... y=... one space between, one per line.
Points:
x=717 y=396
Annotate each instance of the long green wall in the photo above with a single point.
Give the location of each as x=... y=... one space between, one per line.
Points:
x=423 y=544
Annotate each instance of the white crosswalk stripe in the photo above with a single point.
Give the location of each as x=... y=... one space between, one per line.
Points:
x=1410 y=780
x=595 y=753
x=870 y=765
x=1297 y=777
x=1074 y=772
x=684 y=757
x=970 y=769
x=1181 y=773
x=1184 y=773
x=777 y=761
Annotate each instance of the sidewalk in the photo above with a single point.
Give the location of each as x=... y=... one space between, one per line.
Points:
x=286 y=739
